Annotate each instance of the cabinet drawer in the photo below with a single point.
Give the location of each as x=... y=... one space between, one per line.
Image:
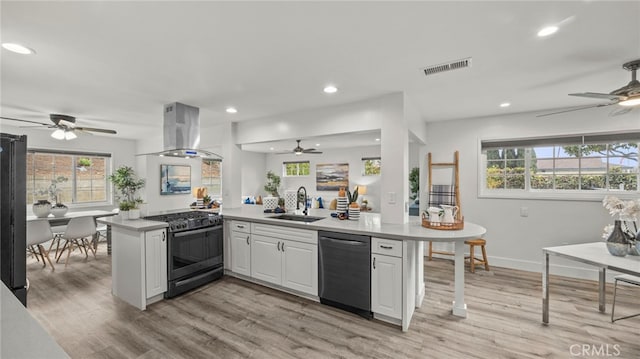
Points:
x=241 y=226
x=388 y=247
x=280 y=232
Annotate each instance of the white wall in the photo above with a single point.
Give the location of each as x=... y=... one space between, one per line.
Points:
x=353 y=156
x=253 y=173
x=515 y=241
x=122 y=151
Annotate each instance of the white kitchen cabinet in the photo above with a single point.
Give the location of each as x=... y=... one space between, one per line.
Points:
x=386 y=277
x=241 y=252
x=285 y=256
x=266 y=259
x=155 y=262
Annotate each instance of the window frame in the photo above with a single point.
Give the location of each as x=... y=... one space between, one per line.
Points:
x=202 y=178
x=284 y=168
x=545 y=194
x=108 y=160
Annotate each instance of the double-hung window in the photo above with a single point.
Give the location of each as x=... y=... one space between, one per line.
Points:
x=212 y=177
x=77 y=177
x=295 y=168
x=566 y=166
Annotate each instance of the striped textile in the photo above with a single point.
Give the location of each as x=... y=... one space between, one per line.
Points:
x=442 y=194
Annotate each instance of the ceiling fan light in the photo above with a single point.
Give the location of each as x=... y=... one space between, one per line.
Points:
x=58 y=134
x=70 y=135
x=634 y=101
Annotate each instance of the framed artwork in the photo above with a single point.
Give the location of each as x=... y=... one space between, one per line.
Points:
x=332 y=176
x=175 y=179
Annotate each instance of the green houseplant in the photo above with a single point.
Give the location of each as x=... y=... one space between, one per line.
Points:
x=414 y=182
x=273 y=183
x=127 y=183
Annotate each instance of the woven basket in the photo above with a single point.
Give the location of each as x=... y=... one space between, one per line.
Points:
x=443 y=226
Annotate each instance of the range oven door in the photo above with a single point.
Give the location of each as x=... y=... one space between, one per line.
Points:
x=194 y=251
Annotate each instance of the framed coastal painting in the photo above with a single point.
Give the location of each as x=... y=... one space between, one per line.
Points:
x=332 y=176
x=175 y=179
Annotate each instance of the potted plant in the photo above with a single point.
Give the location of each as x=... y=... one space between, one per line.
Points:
x=53 y=192
x=206 y=200
x=127 y=183
x=354 y=207
x=414 y=182
x=273 y=183
x=84 y=162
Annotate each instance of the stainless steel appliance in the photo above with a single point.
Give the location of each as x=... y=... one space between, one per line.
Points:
x=194 y=250
x=344 y=276
x=13 y=222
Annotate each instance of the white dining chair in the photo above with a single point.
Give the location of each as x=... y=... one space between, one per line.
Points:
x=102 y=230
x=77 y=232
x=625 y=278
x=38 y=232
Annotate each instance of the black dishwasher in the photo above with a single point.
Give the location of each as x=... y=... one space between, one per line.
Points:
x=344 y=276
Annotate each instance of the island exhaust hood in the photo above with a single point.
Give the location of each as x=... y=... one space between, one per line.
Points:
x=181 y=133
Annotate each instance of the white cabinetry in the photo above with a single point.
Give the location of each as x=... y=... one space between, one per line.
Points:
x=139 y=265
x=241 y=247
x=285 y=256
x=155 y=262
x=386 y=277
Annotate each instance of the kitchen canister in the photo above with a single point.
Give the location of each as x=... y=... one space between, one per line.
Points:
x=270 y=202
x=343 y=203
x=290 y=197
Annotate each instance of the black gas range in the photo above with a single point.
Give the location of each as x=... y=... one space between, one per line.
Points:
x=194 y=249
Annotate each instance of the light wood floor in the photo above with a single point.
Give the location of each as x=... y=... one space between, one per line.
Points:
x=234 y=319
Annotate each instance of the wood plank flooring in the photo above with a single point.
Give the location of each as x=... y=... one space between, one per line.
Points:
x=231 y=318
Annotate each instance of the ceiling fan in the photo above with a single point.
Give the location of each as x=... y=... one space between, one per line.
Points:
x=65 y=126
x=299 y=150
x=627 y=96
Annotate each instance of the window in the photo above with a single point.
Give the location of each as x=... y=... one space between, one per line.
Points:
x=371 y=166
x=212 y=177
x=299 y=168
x=573 y=164
x=81 y=177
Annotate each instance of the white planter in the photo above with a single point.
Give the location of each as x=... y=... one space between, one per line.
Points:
x=354 y=213
x=290 y=200
x=59 y=211
x=134 y=213
x=124 y=215
x=343 y=203
x=270 y=202
x=41 y=209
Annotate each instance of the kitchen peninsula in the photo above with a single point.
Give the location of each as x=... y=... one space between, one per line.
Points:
x=404 y=286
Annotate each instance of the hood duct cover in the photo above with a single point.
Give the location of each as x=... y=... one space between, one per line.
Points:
x=181 y=132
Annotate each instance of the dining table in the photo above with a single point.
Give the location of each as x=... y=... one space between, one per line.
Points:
x=63 y=220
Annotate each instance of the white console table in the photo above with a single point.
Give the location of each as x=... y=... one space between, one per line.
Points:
x=595 y=254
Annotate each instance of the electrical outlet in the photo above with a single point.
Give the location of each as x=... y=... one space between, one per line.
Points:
x=524 y=211
x=391 y=197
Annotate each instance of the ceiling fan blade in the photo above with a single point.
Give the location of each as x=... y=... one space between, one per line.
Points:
x=306 y=150
x=90 y=129
x=27 y=121
x=576 y=109
x=598 y=95
x=313 y=153
x=620 y=111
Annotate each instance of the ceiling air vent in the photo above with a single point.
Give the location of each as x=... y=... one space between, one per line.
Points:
x=453 y=65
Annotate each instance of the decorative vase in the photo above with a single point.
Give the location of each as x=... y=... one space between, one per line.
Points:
x=124 y=215
x=290 y=200
x=354 y=213
x=42 y=208
x=618 y=243
x=134 y=213
x=59 y=210
x=270 y=202
x=342 y=204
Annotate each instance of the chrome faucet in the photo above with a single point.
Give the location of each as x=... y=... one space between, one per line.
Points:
x=304 y=199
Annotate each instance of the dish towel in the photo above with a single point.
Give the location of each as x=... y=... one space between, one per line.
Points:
x=442 y=194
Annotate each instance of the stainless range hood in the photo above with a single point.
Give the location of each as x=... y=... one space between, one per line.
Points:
x=181 y=132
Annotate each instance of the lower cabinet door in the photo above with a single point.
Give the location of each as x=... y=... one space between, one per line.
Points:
x=241 y=253
x=155 y=262
x=386 y=285
x=266 y=262
x=300 y=266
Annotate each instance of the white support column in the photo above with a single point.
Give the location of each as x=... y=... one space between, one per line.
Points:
x=459 y=306
x=231 y=168
x=394 y=150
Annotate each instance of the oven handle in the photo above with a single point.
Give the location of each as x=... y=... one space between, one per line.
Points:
x=196 y=231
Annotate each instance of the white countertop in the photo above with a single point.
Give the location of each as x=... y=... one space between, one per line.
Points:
x=21 y=336
x=140 y=225
x=368 y=224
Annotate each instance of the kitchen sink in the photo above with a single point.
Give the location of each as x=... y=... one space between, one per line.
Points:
x=297 y=218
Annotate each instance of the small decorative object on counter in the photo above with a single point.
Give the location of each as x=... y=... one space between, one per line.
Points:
x=354 y=207
x=59 y=210
x=42 y=208
x=270 y=203
x=290 y=197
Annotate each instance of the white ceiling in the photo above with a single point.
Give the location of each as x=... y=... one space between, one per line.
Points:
x=115 y=64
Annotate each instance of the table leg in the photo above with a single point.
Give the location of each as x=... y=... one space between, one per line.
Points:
x=459 y=306
x=108 y=239
x=602 y=292
x=545 y=289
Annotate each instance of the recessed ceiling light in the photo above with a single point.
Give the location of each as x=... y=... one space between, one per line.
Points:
x=377 y=139
x=271 y=148
x=505 y=104
x=231 y=110
x=17 y=48
x=317 y=144
x=548 y=30
x=330 y=89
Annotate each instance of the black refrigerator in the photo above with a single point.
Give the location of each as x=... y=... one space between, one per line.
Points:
x=13 y=221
